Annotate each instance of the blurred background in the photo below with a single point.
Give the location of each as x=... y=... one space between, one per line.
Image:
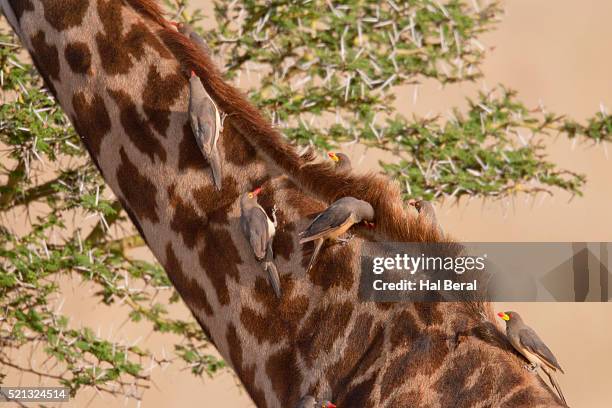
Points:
x=553 y=52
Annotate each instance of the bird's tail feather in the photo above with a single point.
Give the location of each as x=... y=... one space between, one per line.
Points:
x=556 y=385
x=273 y=277
x=317 y=248
x=215 y=164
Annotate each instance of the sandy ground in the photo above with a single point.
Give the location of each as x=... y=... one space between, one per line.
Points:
x=552 y=51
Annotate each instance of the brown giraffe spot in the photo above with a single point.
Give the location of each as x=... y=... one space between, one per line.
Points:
x=285 y=375
x=216 y=204
x=359 y=353
x=46 y=80
x=430 y=350
x=487 y=382
x=159 y=94
x=78 y=56
x=410 y=399
x=235 y=346
x=302 y=203
x=333 y=266
x=116 y=51
x=429 y=313
x=425 y=356
x=133 y=218
x=47 y=53
x=220 y=259
x=246 y=374
x=452 y=385
x=283 y=240
x=190 y=156
x=92 y=121
x=138 y=130
x=188 y=288
x=186 y=220
x=237 y=150
x=138 y=36
x=20 y=7
x=384 y=305
x=525 y=398
x=321 y=329
x=138 y=190
x=64 y=14
x=405 y=330
x=358 y=396
x=205 y=330
x=281 y=316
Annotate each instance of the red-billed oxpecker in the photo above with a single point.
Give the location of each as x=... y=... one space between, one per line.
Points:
x=206 y=125
x=337 y=219
x=190 y=32
x=427 y=212
x=259 y=230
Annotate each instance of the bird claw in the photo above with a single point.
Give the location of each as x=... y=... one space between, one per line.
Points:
x=531 y=367
x=346 y=240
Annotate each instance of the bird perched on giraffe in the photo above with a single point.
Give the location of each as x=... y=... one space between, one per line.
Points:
x=308 y=401
x=426 y=212
x=188 y=31
x=527 y=342
x=259 y=230
x=337 y=219
x=341 y=160
x=206 y=124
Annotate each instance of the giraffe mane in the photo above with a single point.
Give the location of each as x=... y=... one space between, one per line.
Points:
x=393 y=223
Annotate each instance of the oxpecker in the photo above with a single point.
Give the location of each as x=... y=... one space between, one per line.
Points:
x=206 y=125
x=527 y=342
x=337 y=219
x=259 y=230
x=342 y=161
x=309 y=401
x=189 y=32
x=426 y=211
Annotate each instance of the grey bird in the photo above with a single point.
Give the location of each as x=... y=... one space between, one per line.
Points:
x=527 y=342
x=427 y=211
x=337 y=219
x=190 y=32
x=309 y=401
x=343 y=163
x=206 y=125
x=259 y=230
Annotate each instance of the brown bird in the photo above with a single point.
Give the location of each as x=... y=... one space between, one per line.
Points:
x=343 y=163
x=259 y=230
x=206 y=125
x=188 y=31
x=309 y=401
x=426 y=211
x=337 y=219
x=527 y=342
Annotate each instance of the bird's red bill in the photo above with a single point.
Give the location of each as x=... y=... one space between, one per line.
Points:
x=257 y=191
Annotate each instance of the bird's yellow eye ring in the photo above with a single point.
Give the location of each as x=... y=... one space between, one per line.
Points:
x=250 y=195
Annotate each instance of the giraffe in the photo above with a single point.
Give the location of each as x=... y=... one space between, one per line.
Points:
x=120 y=72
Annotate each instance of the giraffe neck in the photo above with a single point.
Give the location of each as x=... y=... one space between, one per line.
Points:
x=119 y=71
